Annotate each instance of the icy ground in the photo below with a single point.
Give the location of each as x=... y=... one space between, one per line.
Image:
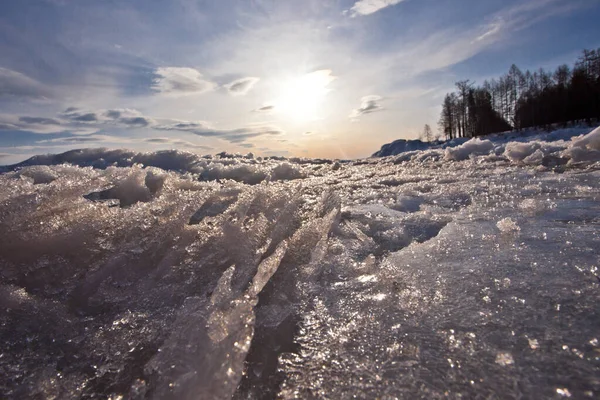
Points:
x=528 y=135
x=462 y=273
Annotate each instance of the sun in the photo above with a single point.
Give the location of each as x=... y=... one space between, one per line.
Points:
x=302 y=97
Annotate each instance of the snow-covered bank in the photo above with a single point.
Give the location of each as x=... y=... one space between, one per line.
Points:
x=467 y=272
x=561 y=136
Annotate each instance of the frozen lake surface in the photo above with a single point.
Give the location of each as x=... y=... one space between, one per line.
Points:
x=469 y=272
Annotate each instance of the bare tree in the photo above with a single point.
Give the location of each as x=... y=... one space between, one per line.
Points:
x=463 y=91
x=427 y=135
x=448 y=119
x=524 y=99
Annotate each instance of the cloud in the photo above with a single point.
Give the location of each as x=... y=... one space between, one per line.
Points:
x=176 y=81
x=368 y=105
x=77 y=121
x=441 y=48
x=16 y=84
x=89 y=117
x=41 y=125
x=491 y=30
x=231 y=135
x=265 y=109
x=177 y=143
x=75 y=139
x=85 y=141
x=103 y=139
x=242 y=86
x=85 y=122
x=39 y=120
x=81 y=139
x=182 y=126
x=125 y=117
x=114 y=114
x=136 y=121
x=367 y=7
x=5 y=126
x=158 y=140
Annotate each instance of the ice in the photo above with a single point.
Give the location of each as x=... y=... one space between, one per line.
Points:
x=536 y=158
x=408 y=203
x=583 y=155
x=169 y=275
x=517 y=152
x=574 y=145
x=508 y=225
x=474 y=147
x=286 y=171
x=39 y=174
x=139 y=186
x=504 y=359
x=590 y=141
x=249 y=174
x=401 y=146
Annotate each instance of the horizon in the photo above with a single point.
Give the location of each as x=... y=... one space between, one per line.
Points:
x=331 y=79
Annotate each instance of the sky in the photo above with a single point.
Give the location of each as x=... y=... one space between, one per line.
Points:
x=328 y=78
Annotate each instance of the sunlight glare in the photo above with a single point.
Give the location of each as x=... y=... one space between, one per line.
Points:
x=302 y=97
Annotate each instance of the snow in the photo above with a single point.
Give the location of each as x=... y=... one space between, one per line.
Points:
x=516 y=146
x=517 y=152
x=401 y=146
x=590 y=141
x=169 y=275
x=474 y=147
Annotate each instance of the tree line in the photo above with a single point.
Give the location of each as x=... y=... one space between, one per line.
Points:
x=519 y=100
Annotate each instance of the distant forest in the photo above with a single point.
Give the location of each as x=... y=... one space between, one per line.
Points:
x=519 y=100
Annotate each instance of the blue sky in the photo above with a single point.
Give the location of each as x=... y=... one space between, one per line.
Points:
x=334 y=78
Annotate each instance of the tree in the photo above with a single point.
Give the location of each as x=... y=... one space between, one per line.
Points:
x=514 y=81
x=448 y=119
x=463 y=91
x=483 y=119
x=427 y=134
x=518 y=100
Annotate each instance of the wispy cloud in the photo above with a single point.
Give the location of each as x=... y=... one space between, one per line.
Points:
x=16 y=84
x=42 y=125
x=265 y=109
x=125 y=118
x=177 y=143
x=242 y=86
x=523 y=15
x=85 y=122
x=98 y=139
x=490 y=30
x=366 y=7
x=104 y=139
x=446 y=47
x=77 y=121
x=368 y=105
x=177 y=81
x=237 y=136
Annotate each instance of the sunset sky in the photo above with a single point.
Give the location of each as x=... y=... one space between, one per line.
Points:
x=310 y=78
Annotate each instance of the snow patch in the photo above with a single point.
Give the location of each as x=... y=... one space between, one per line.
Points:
x=474 y=147
x=518 y=152
x=590 y=141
